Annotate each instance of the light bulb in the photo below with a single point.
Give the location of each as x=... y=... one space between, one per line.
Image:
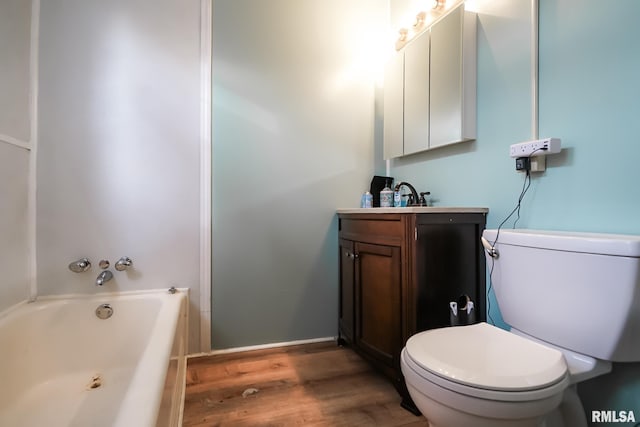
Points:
x=420 y=18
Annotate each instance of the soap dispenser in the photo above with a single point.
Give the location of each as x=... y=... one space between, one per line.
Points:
x=386 y=197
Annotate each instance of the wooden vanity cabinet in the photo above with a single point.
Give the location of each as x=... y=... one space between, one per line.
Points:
x=398 y=273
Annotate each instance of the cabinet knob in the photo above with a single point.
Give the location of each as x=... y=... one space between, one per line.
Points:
x=351 y=255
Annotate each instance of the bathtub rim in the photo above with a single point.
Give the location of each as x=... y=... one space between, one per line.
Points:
x=88 y=296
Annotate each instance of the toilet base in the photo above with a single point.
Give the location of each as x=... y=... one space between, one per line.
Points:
x=569 y=413
x=439 y=415
x=408 y=404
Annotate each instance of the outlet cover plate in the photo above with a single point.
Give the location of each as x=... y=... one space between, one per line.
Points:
x=538 y=147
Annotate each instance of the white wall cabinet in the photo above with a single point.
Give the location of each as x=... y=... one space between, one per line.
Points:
x=430 y=88
x=416 y=95
x=394 y=107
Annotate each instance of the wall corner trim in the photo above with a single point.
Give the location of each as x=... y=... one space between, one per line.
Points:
x=205 y=173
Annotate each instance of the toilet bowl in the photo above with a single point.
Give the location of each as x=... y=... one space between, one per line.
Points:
x=480 y=375
x=483 y=376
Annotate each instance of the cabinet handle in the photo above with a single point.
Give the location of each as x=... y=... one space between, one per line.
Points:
x=354 y=256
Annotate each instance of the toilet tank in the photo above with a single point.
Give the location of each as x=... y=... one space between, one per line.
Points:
x=579 y=291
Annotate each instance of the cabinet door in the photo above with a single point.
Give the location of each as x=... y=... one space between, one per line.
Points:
x=347 y=290
x=378 y=302
x=449 y=263
x=393 y=107
x=416 y=94
x=446 y=79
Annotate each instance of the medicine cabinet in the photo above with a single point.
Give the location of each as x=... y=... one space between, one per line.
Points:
x=430 y=87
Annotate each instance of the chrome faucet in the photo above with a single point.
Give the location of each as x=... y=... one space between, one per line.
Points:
x=414 y=199
x=105 y=276
x=80 y=265
x=123 y=263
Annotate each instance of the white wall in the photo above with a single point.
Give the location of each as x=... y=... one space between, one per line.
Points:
x=14 y=265
x=15 y=39
x=119 y=143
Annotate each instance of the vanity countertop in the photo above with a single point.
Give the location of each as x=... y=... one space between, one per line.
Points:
x=413 y=210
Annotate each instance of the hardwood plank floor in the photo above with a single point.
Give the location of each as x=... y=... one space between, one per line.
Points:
x=312 y=385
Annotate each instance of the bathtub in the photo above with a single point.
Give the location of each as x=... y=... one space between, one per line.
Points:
x=64 y=366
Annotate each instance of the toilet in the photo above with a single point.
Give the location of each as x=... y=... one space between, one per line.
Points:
x=572 y=301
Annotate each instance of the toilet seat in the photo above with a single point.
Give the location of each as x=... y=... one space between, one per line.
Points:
x=485 y=361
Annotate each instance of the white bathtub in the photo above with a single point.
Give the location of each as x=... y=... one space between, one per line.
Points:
x=63 y=366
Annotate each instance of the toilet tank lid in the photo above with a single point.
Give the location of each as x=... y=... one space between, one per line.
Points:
x=592 y=243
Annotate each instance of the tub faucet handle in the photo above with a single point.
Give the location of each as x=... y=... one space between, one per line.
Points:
x=80 y=265
x=123 y=263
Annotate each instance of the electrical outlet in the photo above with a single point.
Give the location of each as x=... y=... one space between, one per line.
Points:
x=539 y=147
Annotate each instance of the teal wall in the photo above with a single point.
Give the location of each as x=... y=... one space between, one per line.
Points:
x=296 y=136
x=589 y=96
x=294 y=124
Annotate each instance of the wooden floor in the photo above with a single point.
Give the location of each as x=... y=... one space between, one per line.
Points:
x=307 y=385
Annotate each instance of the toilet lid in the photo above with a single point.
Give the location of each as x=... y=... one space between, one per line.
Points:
x=484 y=356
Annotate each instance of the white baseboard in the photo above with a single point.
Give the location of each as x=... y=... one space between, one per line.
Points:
x=263 y=346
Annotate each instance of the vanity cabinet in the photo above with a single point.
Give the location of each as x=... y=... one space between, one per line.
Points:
x=430 y=87
x=398 y=273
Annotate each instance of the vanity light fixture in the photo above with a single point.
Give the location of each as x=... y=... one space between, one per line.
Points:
x=404 y=34
x=402 y=38
x=424 y=19
x=420 y=19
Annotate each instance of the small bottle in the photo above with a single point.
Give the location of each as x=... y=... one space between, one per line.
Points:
x=397 y=199
x=386 y=196
x=367 y=200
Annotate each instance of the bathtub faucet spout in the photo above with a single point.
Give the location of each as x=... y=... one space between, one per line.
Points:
x=105 y=276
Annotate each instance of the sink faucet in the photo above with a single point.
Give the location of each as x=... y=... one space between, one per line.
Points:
x=414 y=200
x=105 y=276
